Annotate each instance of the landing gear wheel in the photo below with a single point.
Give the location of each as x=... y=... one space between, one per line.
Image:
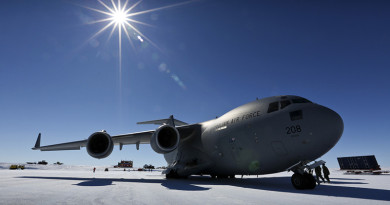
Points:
x=310 y=182
x=298 y=181
x=172 y=175
x=305 y=181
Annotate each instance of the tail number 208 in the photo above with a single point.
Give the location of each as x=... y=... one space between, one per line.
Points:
x=293 y=129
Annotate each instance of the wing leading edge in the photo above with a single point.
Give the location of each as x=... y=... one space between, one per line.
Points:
x=125 y=139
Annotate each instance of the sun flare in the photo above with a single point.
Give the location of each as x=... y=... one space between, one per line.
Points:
x=119 y=17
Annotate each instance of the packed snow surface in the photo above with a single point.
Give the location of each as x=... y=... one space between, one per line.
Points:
x=61 y=184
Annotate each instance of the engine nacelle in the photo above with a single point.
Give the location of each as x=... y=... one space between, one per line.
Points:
x=165 y=139
x=99 y=145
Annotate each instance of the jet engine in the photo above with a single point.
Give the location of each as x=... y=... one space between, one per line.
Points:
x=165 y=139
x=99 y=145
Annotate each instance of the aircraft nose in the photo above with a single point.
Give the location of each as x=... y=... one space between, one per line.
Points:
x=332 y=126
x=337 y=124
x=324 y=129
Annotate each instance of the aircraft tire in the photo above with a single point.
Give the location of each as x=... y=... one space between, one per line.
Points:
x=310 y=182
x=305 y=181
x=172 y=175
x=298 y=181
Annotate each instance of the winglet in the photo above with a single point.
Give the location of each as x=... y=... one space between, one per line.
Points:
x=38 y=142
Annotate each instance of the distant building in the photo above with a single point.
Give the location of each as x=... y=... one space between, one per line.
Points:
x=358 y=163
x=43 y=162
x=124 y=163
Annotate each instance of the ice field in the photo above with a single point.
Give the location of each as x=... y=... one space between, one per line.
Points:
x=54 y=184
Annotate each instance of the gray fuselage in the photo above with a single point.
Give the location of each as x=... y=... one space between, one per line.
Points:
x=264 y=136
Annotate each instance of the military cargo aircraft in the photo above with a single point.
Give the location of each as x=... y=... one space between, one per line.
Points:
x=269 y=135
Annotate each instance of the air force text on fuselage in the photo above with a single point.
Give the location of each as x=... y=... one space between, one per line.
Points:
x=238 y=119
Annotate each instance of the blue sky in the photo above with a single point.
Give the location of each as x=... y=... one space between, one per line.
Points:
x=212 y=56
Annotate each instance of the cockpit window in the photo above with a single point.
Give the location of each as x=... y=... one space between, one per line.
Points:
x=301 y=100
x=296 y=115
x=284 y=103
x=273 y=107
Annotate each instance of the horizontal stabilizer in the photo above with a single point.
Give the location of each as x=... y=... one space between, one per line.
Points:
x=169 y=121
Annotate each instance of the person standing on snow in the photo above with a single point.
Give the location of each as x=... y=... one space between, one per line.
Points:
x=326 y=172
x=319 y=175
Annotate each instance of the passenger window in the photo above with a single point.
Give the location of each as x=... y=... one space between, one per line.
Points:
x=300 y=100
x=273 y=107
x=296 y=115
x=284 y=104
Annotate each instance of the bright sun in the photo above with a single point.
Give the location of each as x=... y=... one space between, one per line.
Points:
x=119 y=17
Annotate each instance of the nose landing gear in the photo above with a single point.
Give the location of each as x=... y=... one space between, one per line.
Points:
x=303 y=181
x=302 y=177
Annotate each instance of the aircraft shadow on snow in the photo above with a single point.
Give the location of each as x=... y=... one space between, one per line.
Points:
x=277 y=184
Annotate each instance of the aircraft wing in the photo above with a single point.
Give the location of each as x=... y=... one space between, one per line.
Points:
x=124 y=139
x=137 y=138
x=133 y=138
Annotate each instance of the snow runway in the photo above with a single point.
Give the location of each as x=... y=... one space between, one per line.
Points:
x=79 y=185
